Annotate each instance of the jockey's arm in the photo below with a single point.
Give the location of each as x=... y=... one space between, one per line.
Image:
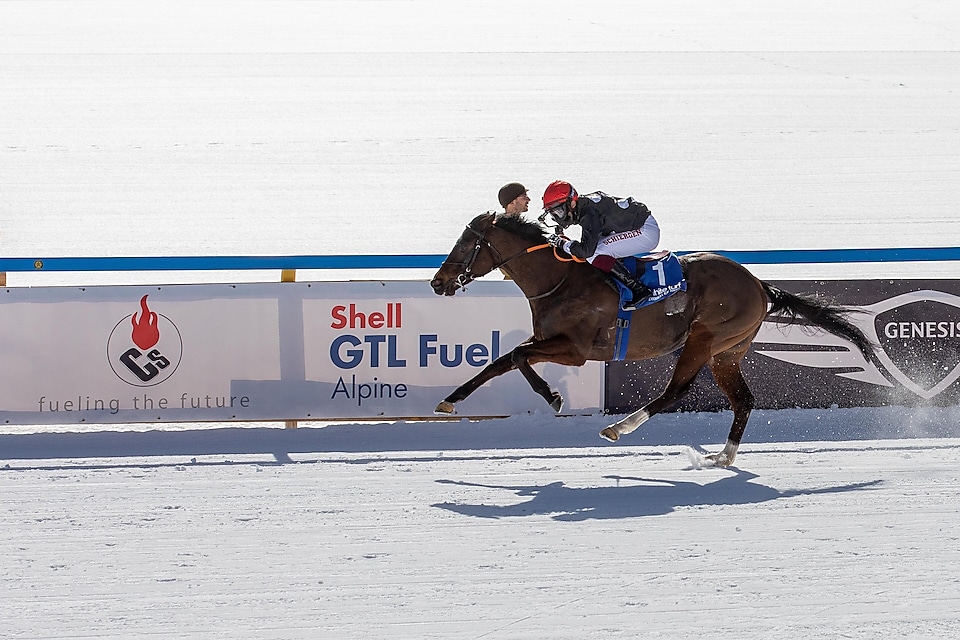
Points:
x=591 y=227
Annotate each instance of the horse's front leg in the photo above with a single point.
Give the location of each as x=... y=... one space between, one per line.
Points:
x=557 y=349
x=537 y=383
x=496 y=368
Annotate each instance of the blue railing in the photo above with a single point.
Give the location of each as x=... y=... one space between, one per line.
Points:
x=221 y=263
x=432 y=261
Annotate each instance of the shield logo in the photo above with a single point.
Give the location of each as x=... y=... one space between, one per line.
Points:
x=919 y=338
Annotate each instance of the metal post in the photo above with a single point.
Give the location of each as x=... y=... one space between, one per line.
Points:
x=289 y=275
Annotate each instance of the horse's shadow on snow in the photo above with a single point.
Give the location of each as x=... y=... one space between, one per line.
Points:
x=631 y=497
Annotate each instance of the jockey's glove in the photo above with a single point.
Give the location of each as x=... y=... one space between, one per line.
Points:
x=560 y=242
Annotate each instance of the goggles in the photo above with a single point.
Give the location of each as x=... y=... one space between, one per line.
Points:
x=559 y=212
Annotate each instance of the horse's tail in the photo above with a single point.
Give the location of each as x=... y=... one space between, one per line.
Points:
x=821 y=313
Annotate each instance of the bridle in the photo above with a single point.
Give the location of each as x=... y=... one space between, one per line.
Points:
x=467 y=274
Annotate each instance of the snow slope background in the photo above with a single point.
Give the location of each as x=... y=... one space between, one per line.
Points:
x=352 y=126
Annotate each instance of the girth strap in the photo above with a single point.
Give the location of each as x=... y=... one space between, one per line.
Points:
x=622 y=338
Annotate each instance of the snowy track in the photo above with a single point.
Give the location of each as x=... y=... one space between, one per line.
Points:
x=815 y=540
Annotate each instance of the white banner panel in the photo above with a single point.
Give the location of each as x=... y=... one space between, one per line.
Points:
x=266 y=351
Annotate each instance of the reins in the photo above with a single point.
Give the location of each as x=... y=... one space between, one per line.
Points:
x=467 y=276
x=555 y=253
x=562 y=259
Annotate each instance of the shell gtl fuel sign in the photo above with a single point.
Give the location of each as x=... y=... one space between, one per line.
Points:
x=401 y=354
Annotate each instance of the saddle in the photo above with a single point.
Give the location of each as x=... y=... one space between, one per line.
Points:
x=663 y=275
x=661 y=272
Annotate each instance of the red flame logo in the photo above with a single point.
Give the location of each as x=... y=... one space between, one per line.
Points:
x=145 y=331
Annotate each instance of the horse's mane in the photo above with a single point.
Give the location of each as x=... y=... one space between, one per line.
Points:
x=523 y=228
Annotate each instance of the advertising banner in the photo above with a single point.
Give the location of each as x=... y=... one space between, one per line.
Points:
x=915 y=324
x=265 y=351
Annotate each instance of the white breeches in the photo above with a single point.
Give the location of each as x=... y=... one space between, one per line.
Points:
x=629 y=243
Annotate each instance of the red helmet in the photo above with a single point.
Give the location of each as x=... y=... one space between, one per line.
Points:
x=557 y=192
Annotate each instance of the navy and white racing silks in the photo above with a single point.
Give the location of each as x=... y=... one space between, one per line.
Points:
x=599 y=215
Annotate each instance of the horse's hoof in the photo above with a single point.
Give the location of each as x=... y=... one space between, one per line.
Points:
x=557 y=403
x=610 y=434
x=445 y=409
x=726 y=457
x=720 y=460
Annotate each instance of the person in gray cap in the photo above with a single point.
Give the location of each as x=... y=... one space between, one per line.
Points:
x=513 y=198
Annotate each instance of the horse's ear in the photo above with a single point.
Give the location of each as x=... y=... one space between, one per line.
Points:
x=489 y=217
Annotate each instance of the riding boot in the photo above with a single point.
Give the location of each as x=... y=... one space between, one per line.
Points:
x=639 y=290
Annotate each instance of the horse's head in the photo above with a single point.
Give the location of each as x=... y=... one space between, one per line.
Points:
x=488 y=242
x=469 y=258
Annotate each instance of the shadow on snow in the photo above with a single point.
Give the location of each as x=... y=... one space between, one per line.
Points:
x=631 y=497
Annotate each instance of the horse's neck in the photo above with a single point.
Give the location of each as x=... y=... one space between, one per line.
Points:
x=537 y=273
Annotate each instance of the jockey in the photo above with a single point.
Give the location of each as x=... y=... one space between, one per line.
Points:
x=513 y=198
x=610 y=228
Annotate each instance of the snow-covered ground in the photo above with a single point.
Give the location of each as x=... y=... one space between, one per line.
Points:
x=234 y=128
x=814 y=540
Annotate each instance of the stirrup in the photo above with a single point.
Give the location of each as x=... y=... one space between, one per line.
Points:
x=634 y=303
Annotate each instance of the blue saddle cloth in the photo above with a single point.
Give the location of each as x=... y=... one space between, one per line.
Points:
x=661 y=272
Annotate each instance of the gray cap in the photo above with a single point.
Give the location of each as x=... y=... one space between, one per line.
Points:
x=509 y=192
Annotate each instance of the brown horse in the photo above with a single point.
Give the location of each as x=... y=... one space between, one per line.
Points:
x=574 y=314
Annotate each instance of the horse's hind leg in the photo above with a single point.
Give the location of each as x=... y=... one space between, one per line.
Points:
x=695 y=354
x=726 y=371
